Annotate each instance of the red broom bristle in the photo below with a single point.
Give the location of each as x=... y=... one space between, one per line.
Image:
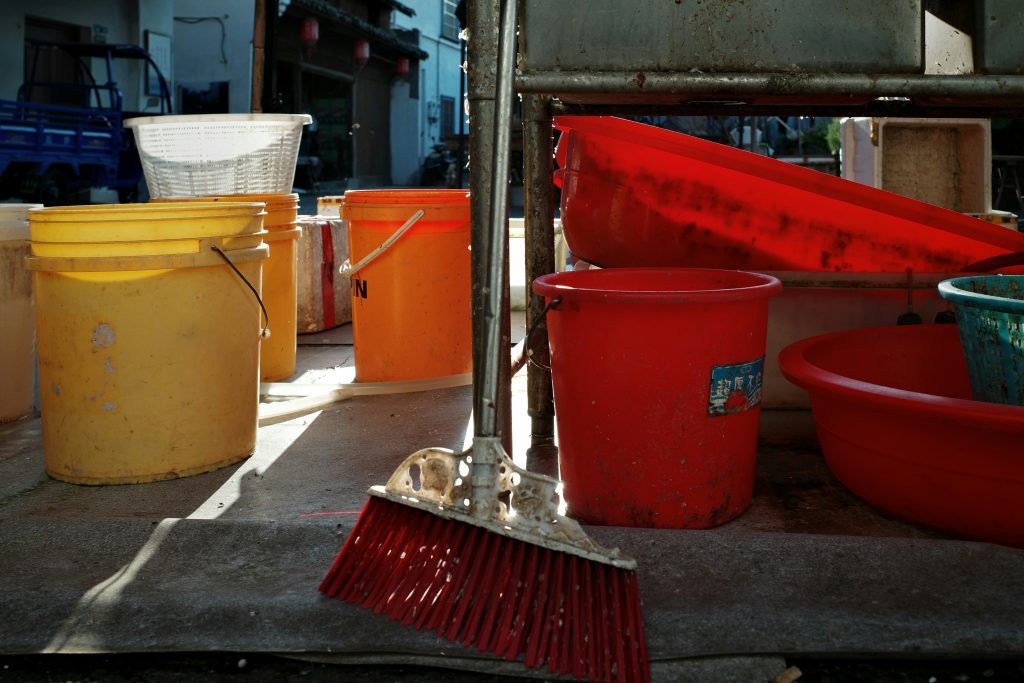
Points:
x=492 y=592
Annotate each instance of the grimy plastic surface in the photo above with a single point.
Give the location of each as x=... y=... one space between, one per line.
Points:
x=637 y=195
x=895 y=419
x=17 y=364
x=657 y=378
x=990 y=317
x=146 y=374
x=411 y=315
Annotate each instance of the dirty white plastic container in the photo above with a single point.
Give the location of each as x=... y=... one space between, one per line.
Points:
x=517 y=260
x=323 y=295
x=17 y=331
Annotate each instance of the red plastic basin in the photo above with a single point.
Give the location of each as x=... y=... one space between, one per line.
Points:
x=897 y=427
x=637 y=195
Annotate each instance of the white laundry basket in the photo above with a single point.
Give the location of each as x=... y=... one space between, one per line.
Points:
x=218 y=154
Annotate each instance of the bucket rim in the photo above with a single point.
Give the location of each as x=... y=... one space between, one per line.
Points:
x=284 y=200
x=952 y=290
x=178 y=261
x=761 y=286
x=799 y=370
x=404 y=197
x=108 y=213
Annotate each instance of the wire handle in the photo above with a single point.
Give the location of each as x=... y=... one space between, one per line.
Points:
x=265 y=332
x=348 y=270
x=541 y=317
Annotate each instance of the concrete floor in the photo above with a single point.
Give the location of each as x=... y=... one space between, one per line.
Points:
x=229 y=561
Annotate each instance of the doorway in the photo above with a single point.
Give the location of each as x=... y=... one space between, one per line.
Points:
x=329 y=100
x=51 y=65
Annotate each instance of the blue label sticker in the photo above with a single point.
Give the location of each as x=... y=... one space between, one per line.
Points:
x=736 y=388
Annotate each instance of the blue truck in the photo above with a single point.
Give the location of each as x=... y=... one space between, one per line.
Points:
x=51 y=153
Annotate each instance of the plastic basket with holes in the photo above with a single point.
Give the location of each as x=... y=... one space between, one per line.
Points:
x=212 y=154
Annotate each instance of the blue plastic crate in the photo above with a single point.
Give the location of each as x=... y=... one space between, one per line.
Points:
x=990 y=317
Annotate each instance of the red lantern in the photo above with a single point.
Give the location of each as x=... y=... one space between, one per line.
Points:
x=402 y=67
x=362 y=52
x=310 y=35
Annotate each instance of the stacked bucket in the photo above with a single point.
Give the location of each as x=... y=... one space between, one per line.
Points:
x=152 y=319
x=16 y=342
x=148 y=342
x=277 y=350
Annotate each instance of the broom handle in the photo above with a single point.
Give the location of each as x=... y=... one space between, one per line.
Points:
x=487 y=399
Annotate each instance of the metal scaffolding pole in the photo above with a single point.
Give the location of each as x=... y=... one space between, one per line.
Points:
x=486 y=134
x=542 y=455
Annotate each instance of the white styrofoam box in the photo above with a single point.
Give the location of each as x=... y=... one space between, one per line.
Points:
x=323 y=295
x=858 y=151
x=946 y=162
x=517 y=260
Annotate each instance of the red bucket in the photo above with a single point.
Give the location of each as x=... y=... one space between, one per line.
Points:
x=657 y=382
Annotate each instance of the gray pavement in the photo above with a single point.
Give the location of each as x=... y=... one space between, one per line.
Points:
x=229 y=561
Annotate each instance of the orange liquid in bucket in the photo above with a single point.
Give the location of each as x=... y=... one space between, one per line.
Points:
x=411 y=315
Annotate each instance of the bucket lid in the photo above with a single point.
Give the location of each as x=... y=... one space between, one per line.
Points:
x=145 y=222
x=274 y=201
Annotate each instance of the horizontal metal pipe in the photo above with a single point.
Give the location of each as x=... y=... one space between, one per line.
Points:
x=873 y=108
x=747 y=85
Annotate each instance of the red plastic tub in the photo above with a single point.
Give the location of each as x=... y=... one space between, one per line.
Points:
x=636 y=195
x=657 y=377
x=897 y=427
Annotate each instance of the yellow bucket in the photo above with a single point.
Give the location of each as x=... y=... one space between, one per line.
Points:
x=277 y=352
x=148 y=341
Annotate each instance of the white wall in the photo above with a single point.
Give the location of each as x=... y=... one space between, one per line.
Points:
x=124 y=20
x=406 y=154
x=156 y=16
x=411 y=128
x=198 y=57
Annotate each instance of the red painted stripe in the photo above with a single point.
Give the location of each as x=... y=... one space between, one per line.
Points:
x=327 y=273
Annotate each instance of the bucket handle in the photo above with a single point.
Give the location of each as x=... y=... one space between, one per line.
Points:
x=523 y=352
x=348 y=270
x=265 y=332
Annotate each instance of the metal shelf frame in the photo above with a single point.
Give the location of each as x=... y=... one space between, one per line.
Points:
x=636 y=89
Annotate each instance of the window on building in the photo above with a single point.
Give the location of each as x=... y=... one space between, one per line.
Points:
x=447 y=116
x=449 y=24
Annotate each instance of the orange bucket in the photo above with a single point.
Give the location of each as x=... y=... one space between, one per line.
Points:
x=411 y=316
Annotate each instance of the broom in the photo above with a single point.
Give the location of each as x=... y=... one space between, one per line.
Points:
x=472 y=546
